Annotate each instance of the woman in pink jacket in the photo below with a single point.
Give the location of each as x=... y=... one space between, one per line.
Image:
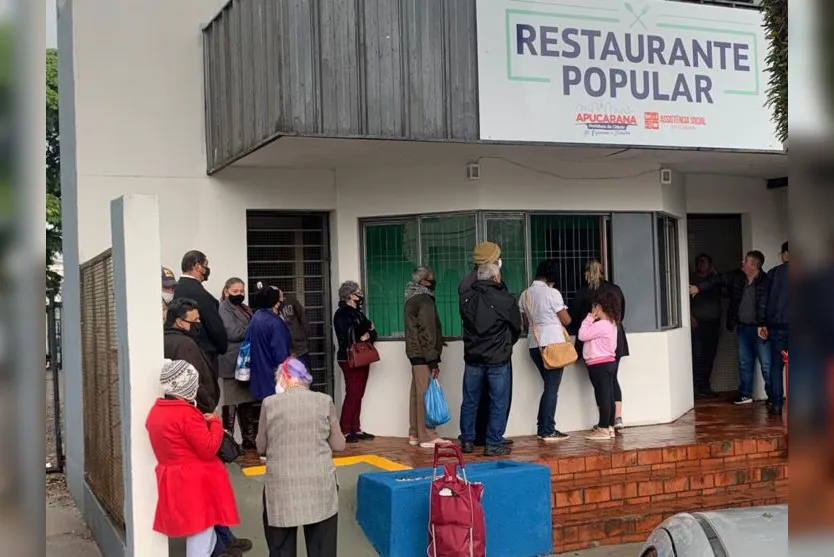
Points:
x=598 y=332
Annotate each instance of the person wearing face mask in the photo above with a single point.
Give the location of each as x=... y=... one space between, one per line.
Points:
x=169 y=282
x=237 y=400
x=423 y=346
x=180 y=343
x=351 y=325
x=212 y=336
x=485 y=252
x=270 y=342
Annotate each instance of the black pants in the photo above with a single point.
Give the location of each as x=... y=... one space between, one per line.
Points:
x=618 y=393
x=320 y=538
x=482 y=417
x=602 y=378
x=705 y=339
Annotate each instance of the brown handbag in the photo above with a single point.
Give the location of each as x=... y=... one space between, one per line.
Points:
x=558 y=354
x=361 y=353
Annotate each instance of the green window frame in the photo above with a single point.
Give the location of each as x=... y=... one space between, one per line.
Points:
x=393 y=247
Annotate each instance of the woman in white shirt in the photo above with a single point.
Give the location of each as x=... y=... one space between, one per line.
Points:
x=547 y=316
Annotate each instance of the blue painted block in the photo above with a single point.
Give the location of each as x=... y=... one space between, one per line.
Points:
x=393 y=509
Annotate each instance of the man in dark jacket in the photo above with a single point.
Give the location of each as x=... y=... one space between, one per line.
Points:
x=211 y=331
x=423 y=346
x=776 y=330
x=485 y=252
x=491 y=327
x=748 y=289
x=293 y=314
x=706 y=327
x=180 y=343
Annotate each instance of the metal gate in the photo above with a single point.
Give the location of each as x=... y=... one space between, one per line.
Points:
x=54 y=375
x=291 y=250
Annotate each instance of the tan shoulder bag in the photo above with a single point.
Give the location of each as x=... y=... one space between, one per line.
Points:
x=558 y=354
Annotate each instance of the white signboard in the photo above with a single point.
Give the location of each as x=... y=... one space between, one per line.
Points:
x=608 y=72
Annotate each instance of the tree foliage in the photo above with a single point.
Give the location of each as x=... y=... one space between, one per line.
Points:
x=53 y=170
x=776 y=29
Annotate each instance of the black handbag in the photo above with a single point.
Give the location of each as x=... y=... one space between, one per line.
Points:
x=229 y=450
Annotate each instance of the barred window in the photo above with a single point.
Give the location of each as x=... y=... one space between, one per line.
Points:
x=393 y=247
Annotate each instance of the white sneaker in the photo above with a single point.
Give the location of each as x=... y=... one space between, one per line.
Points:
x=600 y=434
x=432 y=443
x=413 y=441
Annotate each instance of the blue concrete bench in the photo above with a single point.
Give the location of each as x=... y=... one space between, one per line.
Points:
x=393 y=509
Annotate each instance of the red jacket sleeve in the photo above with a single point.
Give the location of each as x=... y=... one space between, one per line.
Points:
x=204 y=436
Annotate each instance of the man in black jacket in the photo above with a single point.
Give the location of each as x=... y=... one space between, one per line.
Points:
x=705 y=312
x=776 y=330
x=485 y=252
x=748 y=289
x=211 y=333
x=491 y=327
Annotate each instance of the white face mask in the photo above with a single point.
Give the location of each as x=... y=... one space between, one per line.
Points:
x=167 y=297
x=499 y=263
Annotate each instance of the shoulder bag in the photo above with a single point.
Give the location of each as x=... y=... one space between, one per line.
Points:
x=229 y=450
x=556 y=355
x=361 y=353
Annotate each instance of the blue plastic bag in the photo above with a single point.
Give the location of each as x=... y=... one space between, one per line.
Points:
x=437 y=410
x=243 y=368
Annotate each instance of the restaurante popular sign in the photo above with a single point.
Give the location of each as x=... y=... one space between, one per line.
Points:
x=652 y=73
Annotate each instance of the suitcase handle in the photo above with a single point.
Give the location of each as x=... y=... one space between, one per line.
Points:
x=447 y=450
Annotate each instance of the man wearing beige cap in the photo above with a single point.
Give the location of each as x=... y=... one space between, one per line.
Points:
x=485 y=252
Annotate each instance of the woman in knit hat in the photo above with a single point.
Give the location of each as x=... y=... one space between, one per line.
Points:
x=299 y=433
x=195 y=493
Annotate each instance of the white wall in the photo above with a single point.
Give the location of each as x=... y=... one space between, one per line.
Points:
x=763 y=211
x=553 y=185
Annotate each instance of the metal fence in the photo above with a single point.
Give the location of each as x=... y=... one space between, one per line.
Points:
x=100 y=376
x=54 y=406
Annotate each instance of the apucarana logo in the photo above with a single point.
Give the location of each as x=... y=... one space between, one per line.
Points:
x=605 y=119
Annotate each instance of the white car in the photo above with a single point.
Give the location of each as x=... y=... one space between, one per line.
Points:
x=745 y=532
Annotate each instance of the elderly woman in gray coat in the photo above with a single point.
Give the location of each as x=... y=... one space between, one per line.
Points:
x=299 y=432
x=236 y=397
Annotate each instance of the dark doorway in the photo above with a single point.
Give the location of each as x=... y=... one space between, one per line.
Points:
x=720 y=237
x=291 y=250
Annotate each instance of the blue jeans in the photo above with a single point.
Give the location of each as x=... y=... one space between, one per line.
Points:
x=750 y=349
x=224 y=538
x=546 y=422
x=498 y=380
x=778 y=340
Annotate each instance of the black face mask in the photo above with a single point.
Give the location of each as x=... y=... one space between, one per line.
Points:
x=194 y=329
x=359 y=301
x=206 y=272
x=237 y=299
x=432 y=285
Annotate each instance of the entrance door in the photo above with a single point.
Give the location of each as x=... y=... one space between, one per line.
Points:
x=291 y=250
x=720 y=237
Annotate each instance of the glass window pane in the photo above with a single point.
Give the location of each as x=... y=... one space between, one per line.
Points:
x=569 y=239
x=509 y=234
x=663 y=270
x=447 y=244
x=390 y=257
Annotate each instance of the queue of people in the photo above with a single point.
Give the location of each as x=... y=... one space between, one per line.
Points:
x=279 y=417
x=757 y=312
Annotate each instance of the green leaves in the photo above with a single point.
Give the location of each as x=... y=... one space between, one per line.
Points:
x=776 y=29
x=54 y=237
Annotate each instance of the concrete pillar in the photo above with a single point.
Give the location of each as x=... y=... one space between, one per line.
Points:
x=136 y=263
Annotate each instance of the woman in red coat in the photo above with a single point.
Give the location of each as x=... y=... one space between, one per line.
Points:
x=195 y=493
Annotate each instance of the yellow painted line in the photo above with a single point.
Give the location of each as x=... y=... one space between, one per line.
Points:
x=374 y=460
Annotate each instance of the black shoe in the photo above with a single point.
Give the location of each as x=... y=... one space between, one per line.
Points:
x=553 y=437
x=506 y=441
x=742 y=399
x=467 y=447
x=239 y=545
x=351 y=438
x=365 y=436
x=497 y=450
x=773 y=411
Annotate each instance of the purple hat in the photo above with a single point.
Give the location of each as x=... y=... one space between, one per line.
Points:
x=293 y=368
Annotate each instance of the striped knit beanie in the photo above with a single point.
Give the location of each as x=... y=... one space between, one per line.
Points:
x=179 y=379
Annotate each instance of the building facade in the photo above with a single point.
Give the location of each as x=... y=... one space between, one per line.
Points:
x=308 y=143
